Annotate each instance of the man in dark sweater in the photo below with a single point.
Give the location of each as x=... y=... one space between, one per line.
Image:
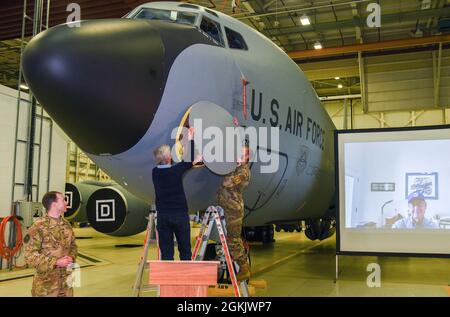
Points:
x=171 y=204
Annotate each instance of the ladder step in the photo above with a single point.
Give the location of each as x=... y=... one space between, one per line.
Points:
x=23 y=141
x=144 y=263
x=150 y=288
x=23 y=184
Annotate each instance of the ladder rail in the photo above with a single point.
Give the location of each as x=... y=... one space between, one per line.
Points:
x=226 y=251
x=151 y=228
x=19 y=99
x=40 y=152
x=199 y=239
x=204 y=244
x=36 y=20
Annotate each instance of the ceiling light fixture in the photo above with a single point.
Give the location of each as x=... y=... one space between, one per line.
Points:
x=317 y=45
x=304 y=20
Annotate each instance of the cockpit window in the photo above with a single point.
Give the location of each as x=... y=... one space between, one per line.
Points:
x=235 y=40
x=166 y=15
x=212 y=29
x=191 y=6
x=211 y=12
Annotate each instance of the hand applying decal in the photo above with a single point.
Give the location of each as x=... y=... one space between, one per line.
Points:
x=191 y=134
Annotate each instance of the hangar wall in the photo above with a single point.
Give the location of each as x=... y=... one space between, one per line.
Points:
x=401 y=89
x=357 y=119
x=52 y=170
x=329 y=69
x=407 y=81
x=81 y=168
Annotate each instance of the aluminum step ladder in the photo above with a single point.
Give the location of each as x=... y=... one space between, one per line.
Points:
x=214 y=215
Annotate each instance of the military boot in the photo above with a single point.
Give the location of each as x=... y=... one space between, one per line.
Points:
x=244 y=272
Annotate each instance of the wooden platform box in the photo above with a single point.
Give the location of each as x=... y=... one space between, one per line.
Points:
x=183 y=278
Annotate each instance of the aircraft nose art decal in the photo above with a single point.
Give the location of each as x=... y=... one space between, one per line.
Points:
x=214 y=121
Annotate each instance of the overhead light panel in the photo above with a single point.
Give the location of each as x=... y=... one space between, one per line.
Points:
x=304 y=20
x=340 y=86
x=317 y=45
x=24 y=87
x=337 y=78
x=426 y=4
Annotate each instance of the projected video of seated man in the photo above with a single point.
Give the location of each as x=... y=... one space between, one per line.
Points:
x=394 y=191
x=416 y=214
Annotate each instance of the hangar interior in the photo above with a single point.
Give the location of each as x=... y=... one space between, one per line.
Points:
x=393 y=76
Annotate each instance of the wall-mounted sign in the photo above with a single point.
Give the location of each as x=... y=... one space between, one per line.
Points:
x=382 y=187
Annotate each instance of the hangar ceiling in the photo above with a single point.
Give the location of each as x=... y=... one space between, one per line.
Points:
x=340 y=26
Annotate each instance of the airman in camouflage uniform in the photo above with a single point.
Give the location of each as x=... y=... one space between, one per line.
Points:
x=50 y=248
x=230 y=199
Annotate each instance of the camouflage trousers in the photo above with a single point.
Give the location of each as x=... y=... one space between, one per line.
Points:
x=52 y=284
x=67 y=292
x=234 y=214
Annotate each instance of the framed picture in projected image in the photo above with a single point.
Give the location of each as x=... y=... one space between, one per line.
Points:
x=376 y=171
x=426 y=183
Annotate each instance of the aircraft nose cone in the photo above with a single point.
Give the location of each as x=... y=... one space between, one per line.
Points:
x=101 y=82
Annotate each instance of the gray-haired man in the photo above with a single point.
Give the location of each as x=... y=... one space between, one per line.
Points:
x=171 y=204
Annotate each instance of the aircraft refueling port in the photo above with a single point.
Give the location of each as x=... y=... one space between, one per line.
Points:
x=73 y=199
x=114 y=211
x=76 y=196
x=180 y=135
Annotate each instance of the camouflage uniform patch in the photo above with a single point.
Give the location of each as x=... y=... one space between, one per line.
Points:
x=49 y=240
x=230 y=199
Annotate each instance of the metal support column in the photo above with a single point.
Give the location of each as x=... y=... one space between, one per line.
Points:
x=345 y=115
x=362 y=82
x=351 y=114
x=437 y=75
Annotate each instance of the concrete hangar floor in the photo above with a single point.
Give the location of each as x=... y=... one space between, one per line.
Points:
x=292 y=266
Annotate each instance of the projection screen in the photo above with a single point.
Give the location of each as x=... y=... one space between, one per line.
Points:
x=393 y=191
